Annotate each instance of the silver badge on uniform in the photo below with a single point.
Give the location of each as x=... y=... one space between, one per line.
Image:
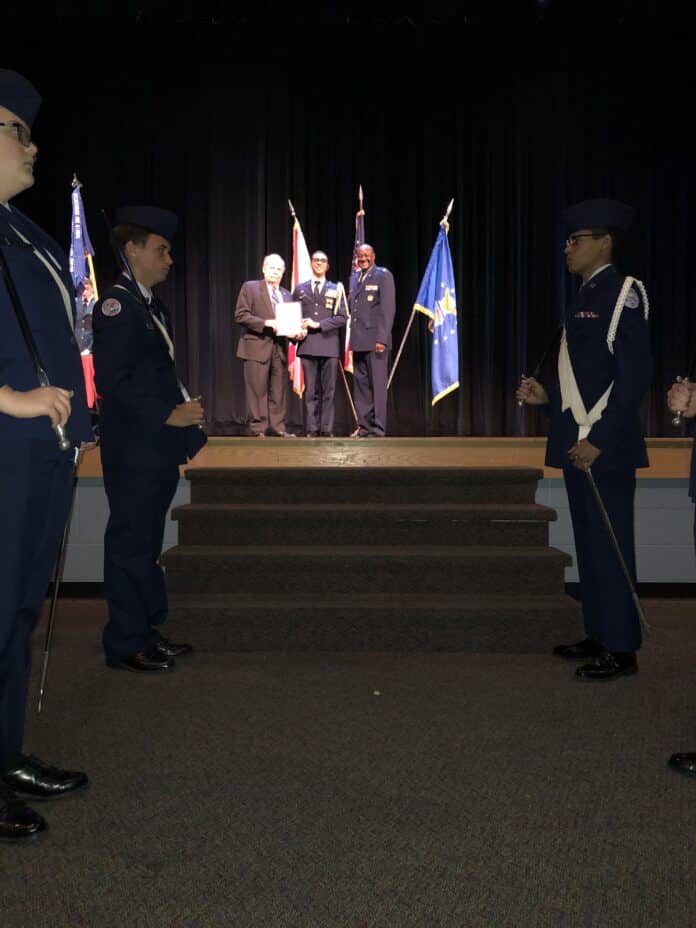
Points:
x=111 y=307
x=632 y=300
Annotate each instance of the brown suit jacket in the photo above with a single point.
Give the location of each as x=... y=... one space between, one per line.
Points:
x=253 y=308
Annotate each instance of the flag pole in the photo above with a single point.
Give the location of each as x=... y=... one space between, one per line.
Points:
x=342 y=292
x=444 y=222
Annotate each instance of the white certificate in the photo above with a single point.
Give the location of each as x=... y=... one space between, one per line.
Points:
x=289 y=318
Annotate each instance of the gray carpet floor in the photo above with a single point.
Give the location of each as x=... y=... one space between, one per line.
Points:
x=372 y=790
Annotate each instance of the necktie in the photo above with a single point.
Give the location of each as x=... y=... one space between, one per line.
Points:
x=316 y=289
x=274 y=295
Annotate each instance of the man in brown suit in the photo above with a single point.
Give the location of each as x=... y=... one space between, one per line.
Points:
x=264 y=353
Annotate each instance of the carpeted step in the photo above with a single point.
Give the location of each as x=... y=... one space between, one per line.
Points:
x=351 y=524
x=333 y=485
x=305 y=570
x=379 y=622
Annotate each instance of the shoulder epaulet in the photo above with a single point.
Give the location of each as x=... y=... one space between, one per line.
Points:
x=623 y=296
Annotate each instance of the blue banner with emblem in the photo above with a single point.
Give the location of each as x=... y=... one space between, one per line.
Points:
x=438 y=301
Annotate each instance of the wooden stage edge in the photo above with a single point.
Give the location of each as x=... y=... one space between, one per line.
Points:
x=669 y=457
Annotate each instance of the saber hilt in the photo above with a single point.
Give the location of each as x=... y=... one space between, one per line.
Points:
x=542 y=360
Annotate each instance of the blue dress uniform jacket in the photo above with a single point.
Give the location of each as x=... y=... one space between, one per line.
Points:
x=136 y=380
x=618 y=433
x=35 y=475
x=319 y=352
x=372 y=304
x=608 y=610
x=329 y=312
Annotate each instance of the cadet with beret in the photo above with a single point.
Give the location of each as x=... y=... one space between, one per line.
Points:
x=35 y=474
x=323 y=316
x=604 y=370
x=372 y=304
x=148 y=428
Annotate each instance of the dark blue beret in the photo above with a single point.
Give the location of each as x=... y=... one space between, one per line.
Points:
x=160 y=221
x=19 y=96
x=593 y=214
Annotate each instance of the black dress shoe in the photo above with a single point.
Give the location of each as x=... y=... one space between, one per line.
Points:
x=17 y=821
x=684 y=762
x=31 y=778
x=359 y=433
x=327 y=434
x=171 y=648
x=608 y=666
x=312 y=434
x=580 y=651
x=152 y=661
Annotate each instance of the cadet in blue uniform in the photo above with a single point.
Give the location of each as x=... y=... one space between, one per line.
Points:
x=147 y=430
x=682 y=398
x=323 y=317
x=372 y=304
x=604 y=371
x=35 y=475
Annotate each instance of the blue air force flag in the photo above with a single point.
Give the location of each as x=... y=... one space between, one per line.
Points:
x=438 y=301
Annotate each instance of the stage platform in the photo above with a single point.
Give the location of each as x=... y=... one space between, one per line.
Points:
x=669 y=457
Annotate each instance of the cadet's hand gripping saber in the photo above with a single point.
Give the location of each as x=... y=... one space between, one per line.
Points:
x=542 y=360
x=64 y=442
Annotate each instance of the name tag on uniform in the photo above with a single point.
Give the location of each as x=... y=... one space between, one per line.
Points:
x=372 y=286
x=586 y=315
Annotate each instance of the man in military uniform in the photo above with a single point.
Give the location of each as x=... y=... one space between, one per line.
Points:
x=681 y=398
x=35 y=475
x=323 y=315
x=264 y=353
x=149 y=426
x=604 y=370
x=372 y=304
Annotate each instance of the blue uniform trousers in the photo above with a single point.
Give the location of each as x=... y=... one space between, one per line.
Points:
x=320 y=385
x=139 y=500
x=35 y=493
x=370 y=375
x=608 y=610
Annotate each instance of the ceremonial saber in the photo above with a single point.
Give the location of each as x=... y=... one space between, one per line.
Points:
x=413 y=311
x=615 y=545
x=64 y=442
x=542 y=360
x=57 y=580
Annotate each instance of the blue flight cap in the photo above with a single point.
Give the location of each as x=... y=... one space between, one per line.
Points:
x=160 y=221
x=598 y=214
x=19 y=96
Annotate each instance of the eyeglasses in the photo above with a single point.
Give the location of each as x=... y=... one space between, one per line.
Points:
x=572 y=240
x=320 y=260
x=22 y=134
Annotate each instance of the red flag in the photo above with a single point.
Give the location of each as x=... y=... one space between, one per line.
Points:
x=301 y=270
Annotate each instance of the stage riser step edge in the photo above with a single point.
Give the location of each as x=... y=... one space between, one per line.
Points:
x=519 y=572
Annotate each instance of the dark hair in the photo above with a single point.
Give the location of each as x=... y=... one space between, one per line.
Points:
x=617 y=236
x=131 y=233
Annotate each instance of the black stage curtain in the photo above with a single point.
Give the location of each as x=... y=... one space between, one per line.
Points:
x=513 y=126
